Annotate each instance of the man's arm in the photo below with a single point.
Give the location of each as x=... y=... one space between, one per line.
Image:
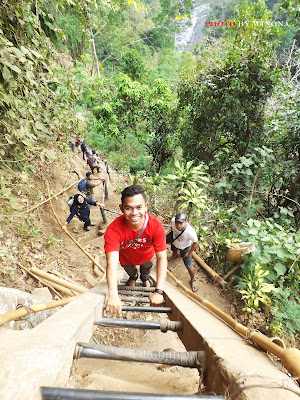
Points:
x=193 y=248
x=161 y=271
x=113 y=302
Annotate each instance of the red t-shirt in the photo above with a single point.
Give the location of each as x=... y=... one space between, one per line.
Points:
x=118 y=236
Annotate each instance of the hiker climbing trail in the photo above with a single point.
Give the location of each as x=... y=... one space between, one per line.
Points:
x=81 y=257
x=192 y=359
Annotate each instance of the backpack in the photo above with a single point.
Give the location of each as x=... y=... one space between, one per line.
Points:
x=82 y=186
x=92 y=160
x=70 y=201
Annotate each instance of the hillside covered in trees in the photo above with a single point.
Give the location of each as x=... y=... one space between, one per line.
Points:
x=214 y=132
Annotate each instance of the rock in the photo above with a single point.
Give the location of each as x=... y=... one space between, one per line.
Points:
x=42 y=292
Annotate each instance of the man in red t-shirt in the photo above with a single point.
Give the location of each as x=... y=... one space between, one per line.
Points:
x=133 y=239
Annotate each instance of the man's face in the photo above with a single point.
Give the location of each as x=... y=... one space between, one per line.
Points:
x=180 y=225
x=134 y=209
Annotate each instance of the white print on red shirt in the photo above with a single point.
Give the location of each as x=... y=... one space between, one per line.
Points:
x=140 y=243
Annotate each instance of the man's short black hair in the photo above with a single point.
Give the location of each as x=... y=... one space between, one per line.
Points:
x=132 y=190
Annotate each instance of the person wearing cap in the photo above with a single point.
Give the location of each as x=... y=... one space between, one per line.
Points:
x=90 y=184
x=184 y=238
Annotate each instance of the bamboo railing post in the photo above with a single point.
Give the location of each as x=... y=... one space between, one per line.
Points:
x=78 y=244
x=232 y=271
x=209 y=270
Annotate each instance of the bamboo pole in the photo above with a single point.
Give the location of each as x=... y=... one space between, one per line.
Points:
x=52 y=278
x=85 y=252
x=51 y=287
x=78 y=244
x=52 y=197
x=290 y=358
x=232 y=271
x=58 y=287
x=209 y=270
x=21 y=312
x=59 y=275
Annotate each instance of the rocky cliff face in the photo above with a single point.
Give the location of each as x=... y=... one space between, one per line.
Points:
x=191 y=30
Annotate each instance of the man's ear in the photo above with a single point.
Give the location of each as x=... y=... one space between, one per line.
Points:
x=121 y=207
x=146 y=206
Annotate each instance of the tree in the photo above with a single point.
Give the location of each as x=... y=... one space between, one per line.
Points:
x=149 y=113
x=223 y=101
x=133 y=65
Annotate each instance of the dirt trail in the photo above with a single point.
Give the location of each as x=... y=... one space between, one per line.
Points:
x=68 y=259
x=64 y=256
x=124 y=376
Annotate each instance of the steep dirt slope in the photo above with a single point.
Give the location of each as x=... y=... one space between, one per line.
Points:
x=42 y=243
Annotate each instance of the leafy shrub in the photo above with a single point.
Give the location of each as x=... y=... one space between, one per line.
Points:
x=286 y=311
x=277 y=248
x=254 y=290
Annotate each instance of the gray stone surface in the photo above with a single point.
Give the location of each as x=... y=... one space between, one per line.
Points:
x=191 y=31
x=43 y=356
x=11 y=298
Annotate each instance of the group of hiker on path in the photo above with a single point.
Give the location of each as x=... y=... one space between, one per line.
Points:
x=133 y=239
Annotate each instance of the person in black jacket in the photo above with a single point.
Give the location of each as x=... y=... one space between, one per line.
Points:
x=80 y=207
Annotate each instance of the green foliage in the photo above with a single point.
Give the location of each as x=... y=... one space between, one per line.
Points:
x=140 y=163
x=223 y=101
x=31 y=102
x=292 y=9
x=248 y=175
x=193 y=200
x=277 y=248
x=73 y=32
x=148 y=113
x=187 y=176
x=133 y=65
x=27 y=229
x=286 y=311
x=254 y=290
x=155 y=187
x=51 y=241
x=187 y=181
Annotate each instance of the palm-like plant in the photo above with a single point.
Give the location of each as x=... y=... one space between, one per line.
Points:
x=253 y=288
x=192 y=199
x=187 y=176
x=154 y=181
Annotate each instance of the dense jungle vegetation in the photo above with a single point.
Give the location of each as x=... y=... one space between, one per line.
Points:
x=214 y=132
